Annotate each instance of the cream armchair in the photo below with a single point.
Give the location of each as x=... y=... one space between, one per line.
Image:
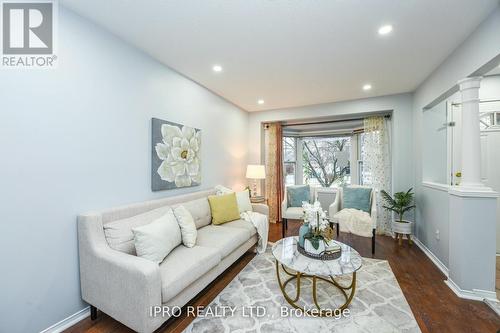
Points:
x=337 y=206
x=294 y=213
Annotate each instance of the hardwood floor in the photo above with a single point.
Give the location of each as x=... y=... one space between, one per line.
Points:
x=435 y=306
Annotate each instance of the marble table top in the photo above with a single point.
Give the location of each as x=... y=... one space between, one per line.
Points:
x=285 y=251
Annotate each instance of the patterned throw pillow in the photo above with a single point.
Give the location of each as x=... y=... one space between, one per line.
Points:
x=297 y=194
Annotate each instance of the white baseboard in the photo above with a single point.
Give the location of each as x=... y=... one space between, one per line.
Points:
x=68 y=322
x=493 y=305
x=474 y=294
x=439 y=264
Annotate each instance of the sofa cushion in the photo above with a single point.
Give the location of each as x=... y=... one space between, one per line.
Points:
x=297 y=194
x=187 y=225
x=200 y=211
x=242 y=224
x=224 y=208
x=243 y=199
x=155 y=240
x=357 y=198
x=119 y=233
x=183 y=266
x=224 y=239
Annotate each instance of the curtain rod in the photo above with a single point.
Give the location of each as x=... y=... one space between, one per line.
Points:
x=387 y=116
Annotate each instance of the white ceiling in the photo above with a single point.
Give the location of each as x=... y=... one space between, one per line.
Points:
x=293 y=52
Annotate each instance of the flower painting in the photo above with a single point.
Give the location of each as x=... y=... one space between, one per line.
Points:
x=176 y=158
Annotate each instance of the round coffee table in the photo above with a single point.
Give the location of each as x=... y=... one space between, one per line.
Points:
x=288 y=257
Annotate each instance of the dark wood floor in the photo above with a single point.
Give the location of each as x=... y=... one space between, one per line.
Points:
x=435 y=306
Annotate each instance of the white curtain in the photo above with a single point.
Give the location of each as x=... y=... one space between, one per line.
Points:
x=376 y=156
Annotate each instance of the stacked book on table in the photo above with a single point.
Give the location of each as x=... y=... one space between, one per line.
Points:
x=332 y=247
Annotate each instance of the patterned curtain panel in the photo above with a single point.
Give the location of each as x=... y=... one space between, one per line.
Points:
x=274 y=171
x=376 y=157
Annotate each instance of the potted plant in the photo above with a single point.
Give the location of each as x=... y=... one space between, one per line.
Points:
x=400 y=204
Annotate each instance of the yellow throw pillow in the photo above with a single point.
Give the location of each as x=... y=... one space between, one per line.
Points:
x=224 y=208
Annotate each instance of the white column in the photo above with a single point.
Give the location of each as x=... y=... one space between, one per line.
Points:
x=471 y=145
x=471 y=211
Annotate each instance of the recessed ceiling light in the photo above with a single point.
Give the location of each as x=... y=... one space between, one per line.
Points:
x=367 y=87
x=217 y=68
x=385 y=29
x=260 y=101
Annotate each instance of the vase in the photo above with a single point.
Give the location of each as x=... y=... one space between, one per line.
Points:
x=303 y=231
x=308 y=247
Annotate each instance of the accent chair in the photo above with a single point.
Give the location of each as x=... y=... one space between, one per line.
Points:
x=337 y=206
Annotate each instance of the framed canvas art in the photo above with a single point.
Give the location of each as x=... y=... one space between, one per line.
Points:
x=176 y=158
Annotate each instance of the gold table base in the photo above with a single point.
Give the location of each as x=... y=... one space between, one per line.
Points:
x=320 y=312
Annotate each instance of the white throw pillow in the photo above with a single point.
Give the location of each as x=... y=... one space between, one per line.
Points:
x=155 y=240
x=243 y=200
x=187 y=225
x=242 y=197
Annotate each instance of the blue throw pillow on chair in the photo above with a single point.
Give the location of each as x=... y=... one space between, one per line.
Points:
x=357 y=198
x=296 y=194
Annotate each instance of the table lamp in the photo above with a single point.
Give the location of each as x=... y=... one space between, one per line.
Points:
x=255 y=172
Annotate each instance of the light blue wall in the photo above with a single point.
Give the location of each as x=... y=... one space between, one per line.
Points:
x=477 y=50
x=434 y=207
x=78 y=138
x=435 y=149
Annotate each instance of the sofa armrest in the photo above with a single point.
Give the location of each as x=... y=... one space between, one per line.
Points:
x=260 y=208
x=121 y=285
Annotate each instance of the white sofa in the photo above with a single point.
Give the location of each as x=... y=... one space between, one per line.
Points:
x=126 y=287
x=337 y=206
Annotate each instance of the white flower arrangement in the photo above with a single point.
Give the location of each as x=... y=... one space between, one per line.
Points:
x=314 y=215
x=320 y=231
x=179 y=153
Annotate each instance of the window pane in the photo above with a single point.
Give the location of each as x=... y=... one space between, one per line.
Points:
x=288 y=149
x=326 y=161
x=289 y=173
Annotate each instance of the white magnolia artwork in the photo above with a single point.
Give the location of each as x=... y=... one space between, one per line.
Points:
x=176 y=160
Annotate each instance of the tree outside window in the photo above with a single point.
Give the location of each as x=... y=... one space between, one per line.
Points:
x=289 y=160
x=324 y=161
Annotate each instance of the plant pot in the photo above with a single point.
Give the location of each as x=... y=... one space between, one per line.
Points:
x=308 y=247
x=402 y=227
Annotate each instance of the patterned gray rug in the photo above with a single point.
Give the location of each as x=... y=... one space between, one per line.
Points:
x=378 y=305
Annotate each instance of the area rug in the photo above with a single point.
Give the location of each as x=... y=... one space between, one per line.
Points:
x=253 y=302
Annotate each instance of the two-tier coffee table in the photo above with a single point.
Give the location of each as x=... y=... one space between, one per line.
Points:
x=298 y=266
